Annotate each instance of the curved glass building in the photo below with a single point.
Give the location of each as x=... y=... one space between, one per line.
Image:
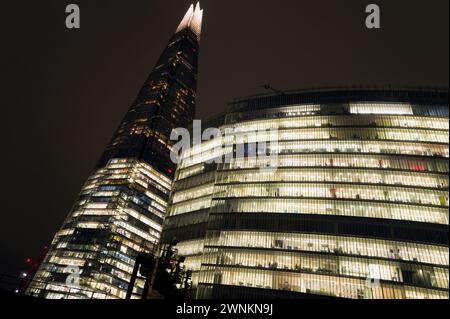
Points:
x=323 y=193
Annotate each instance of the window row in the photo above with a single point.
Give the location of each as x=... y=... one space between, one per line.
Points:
x=335 y=191
x=412 y=274
x=193 y=193
x=339 y=245
x=333 y=207
x=336 y=175
x=315 y=284
x=190 y=206
x=344 y=134
x=368 y=147
x=345 y=120
x=272 y=151
x=257 y=109
x=344 y=161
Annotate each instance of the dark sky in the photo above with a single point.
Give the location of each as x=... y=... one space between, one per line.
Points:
x=64 y=92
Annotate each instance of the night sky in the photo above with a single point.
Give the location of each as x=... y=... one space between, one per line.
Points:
x=64 y=92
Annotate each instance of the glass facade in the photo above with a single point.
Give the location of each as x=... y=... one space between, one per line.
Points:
x=354 y=205
x=120 y=210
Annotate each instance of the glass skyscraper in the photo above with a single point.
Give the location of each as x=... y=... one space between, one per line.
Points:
x=121 y=208
x=348 y=197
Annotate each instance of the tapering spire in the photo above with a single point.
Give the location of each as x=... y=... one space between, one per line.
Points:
x=193 y=20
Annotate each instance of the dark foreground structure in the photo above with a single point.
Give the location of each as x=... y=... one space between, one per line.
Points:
x=348 y=198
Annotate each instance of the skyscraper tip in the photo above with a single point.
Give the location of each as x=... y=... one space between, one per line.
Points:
x=193 y=20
